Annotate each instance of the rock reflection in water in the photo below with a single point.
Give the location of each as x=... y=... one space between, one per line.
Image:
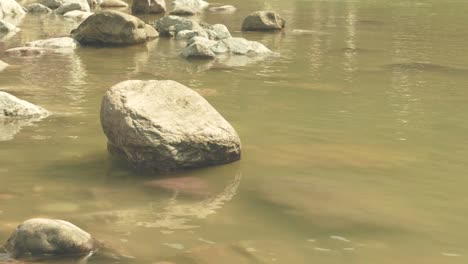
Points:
x=11 y=127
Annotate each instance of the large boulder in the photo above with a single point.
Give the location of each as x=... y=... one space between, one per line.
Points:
x=164 y=126
x=70 y=5
x=10 y=8
x=48 y=238
x=37 y=8
x=13 y=107
x=263 y=20
x=113 y=28
x=148 y=6
x=169 y=26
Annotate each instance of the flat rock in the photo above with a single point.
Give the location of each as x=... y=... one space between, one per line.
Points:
x=37 y=9
x=26 y=51
x=55 y=43
x=13 y=107
x=41 y=237
x=77 y=14
x=262 y=21
x=171 y=25
x=113 y=3
x=164 y=126
x=10 y=8
x=148 y=6
x=113 y=28
x=52 y=4
x=223 y=9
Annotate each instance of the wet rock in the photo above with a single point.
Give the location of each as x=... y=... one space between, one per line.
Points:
x=169 y=26
x=11 y=106
x=184 y=11
x=70 y=5
x=78 y=14
x=148 y=6
x=113 y=3
x=48 y=238
x=54 y=43
x=263 y=20
x=52 y=4
x=217 y=32
x=189 y=34
x=3 y=65
x=37 y=9
x=113 y=28
x=164 y=126
x=223 y=9
x=26 y=51
x=240 y=46
x=195 y=5
x=199 y=47
x=7 y=28
x=10 y=8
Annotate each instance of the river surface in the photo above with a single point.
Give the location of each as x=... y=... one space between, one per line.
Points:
x=355 y=140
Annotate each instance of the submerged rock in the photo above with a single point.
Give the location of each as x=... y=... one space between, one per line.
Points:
x=113 y=28
x=55 y=43
x=164 y=126
x=223 y=9
x=184 y=11
x=26 y=51
x=48 y=238
x=52 y=4
x=10 y=8
x=148 y=6
x=37 y=8
x=169 y=26
x=263 y=20
x=11 y=106
x=77 y=14
x=3 y=65
x=7 y=28
x=113 y=3
x=70 y=5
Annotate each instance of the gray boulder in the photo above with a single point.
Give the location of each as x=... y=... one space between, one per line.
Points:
x=148 y=6
x=48 y=238
x=10 y=8
x=189 y=34
x=52 y=4
x=169 y=26
x=263 y=20
x=55 y=43
x=37 y=8
x=163 y=126
x=240 y=46
x=197 y=5
x=217 y=32
x=184 y=11
x=113 y=28
x=199 y=47
x=11 y=106
x=70 y=5
x=113 y=3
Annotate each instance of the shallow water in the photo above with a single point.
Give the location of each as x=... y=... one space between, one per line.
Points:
x=354 y=140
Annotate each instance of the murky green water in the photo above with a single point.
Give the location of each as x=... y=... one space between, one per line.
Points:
x=355 y=141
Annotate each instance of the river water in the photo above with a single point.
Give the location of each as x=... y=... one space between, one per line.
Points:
x=355 y=140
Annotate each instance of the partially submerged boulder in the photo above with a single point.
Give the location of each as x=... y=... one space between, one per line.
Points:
x=55 y=43
x=7 y=28
x=77 y=14
x=52 y=4
x=164 y=126
x=10 y=8
x=212 y=32
x=70 y=5
x=169 y=26
x=26 y=51
x=184 y=11
x=148 y=6
x=199 y=47
x=113 y=3
x=37 y=238
x=13 y=107
x=37 y=8
x=262 y=21
x=113 y=28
